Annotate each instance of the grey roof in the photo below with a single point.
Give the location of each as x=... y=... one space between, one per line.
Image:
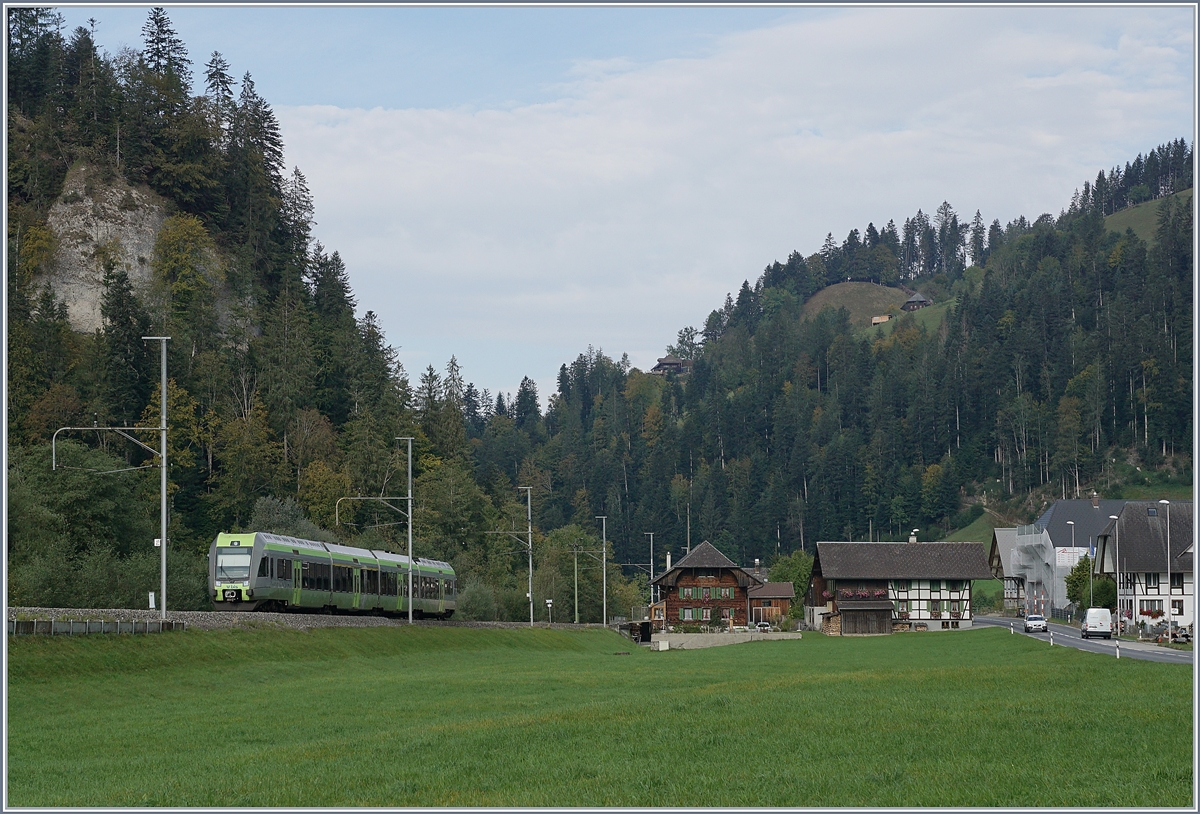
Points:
x=1090 y=520
x=773 y=590
x=707 y=556
x=918 y=297
x=1141 y=537
x=901 y=561
x=1003 y=543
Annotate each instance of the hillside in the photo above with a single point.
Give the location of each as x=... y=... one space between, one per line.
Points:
x=861 y=300
x=1143 y=218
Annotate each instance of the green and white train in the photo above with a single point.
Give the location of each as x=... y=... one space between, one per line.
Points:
x=271 y=572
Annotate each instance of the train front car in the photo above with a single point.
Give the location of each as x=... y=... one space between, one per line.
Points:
x=233 y=560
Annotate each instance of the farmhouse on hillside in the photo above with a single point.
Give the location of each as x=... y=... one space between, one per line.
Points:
x=671 y=364
x=1137 y=542
x=859 y=588
x=706 y=588
x=916 y=302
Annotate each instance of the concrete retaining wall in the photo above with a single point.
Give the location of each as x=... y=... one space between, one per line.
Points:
x=695 y=641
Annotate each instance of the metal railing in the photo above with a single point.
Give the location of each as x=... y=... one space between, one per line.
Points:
x=78 y=627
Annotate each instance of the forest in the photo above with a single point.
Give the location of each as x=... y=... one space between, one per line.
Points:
x=1063 y=362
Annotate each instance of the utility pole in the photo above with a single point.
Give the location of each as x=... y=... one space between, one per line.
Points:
x=529 y=522
x=576 y=586
x=162 y=427
x=650 y=534
x=604 y=565
x=410 y=521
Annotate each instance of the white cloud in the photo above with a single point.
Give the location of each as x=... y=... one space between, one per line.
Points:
x=628 y=207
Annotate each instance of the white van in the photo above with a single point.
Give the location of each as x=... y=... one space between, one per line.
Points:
x=1096 y=622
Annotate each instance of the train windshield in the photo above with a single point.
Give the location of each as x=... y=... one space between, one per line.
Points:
x=233 y=563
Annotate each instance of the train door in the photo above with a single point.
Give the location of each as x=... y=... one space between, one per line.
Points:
x=297 y=581
x=357 y=588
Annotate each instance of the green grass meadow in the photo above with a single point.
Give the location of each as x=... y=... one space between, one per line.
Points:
x=429 y=716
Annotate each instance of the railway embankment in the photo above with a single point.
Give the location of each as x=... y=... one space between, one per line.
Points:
x=215 y=620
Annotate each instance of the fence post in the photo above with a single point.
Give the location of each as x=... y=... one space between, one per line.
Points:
x=1052 y=638
x=1011 y=628
x=1118 y=649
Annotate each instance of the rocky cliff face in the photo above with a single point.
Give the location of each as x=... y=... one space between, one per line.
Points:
x=89 y=215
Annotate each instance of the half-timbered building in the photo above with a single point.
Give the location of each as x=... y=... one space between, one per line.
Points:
x=861 y=588
x=1136 y=546
x=706 y=588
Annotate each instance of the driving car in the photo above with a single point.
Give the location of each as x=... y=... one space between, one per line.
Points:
x=1035 y=622
x=763 y=627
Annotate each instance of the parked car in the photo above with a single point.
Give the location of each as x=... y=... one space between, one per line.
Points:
x=1096 y=622
x=1035 y=622
x=763 y=627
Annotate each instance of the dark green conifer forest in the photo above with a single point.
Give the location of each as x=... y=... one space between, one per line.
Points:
x=1062 y=363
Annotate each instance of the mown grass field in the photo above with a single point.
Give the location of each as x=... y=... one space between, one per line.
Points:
x=462 y=717
x=1143 y=218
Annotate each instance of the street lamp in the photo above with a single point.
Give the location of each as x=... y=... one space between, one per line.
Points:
x=1070 y=523
x=1117 y=567
x=1167 y=503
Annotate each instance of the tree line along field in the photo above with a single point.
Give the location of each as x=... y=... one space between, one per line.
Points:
x=465 y=717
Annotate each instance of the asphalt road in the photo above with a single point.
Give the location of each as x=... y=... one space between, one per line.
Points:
x=1068 y=636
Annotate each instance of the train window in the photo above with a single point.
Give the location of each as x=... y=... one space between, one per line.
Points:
x=264 y=567
x=283 y=570
x=370 y=581
x=451 y=588
x=233 y=563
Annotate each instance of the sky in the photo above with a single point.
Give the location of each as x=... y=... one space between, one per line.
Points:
x=512 y=186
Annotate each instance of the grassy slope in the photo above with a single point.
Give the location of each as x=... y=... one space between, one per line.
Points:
x=458 y=717
x=862 y=300
x=1143 y=218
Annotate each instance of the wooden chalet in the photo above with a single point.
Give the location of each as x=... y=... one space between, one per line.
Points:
x=916 y=302
x=863 y=588
x=671 y=364
x=706 y=588
x=1137 y=542
x=771 y=601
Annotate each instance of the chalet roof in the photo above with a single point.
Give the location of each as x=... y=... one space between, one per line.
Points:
x=1141 y=537
x=670 y=359
x=901 y=561
x=918 y=297
x=707 y=556
x=773 y=590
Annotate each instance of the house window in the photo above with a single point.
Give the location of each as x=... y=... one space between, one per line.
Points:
x=706 y=614
x=727 y=593
x=1146 y=606
x=725 y=613
x=1152 y=581
x=1151 y=512
x=1176 y=580
x=658 y=613
x=685 y=614
x=707 y=593
x=766 y=603
x=900 y=585
x=935 y=585
x=685 y=593
x=902 y=605
x=1177 y=607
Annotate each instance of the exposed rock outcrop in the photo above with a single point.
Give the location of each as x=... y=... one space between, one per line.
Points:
x=88 y=215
